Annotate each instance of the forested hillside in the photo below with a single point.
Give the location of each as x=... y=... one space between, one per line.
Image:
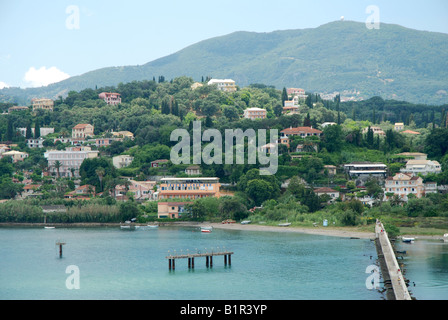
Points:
x=393 y=62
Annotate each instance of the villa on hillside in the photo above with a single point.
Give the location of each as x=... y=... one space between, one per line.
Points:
x=42 y=104
x=82 y=131
x=422 y=166
x=300 y=131
x=255 y=113
x=110 y=98
x=226 y=85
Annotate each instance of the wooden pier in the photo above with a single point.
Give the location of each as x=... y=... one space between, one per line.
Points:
x=207 y=255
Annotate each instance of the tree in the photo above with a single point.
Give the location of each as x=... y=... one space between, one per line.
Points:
x=29 y=132
x=100 y=173
x=37 y=129
x=284 y=96
x=307 y=121
x=259 y=190
x=333 y=138
x=370 y=137
x=57 y=165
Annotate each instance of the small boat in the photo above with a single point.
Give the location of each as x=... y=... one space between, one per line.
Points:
x=49 y=227
x=284 y=224
x=408 y=240
x=206 y=229
x=245 y=222
x=152 y=226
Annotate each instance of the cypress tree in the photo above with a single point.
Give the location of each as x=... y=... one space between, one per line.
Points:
x=29 y=132
x=37 y=129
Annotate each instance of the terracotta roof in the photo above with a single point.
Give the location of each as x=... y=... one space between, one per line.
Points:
x=81 y=126
x=300 y=130
x=324 y=190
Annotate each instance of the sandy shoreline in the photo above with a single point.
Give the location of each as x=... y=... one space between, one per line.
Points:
x=316 y=231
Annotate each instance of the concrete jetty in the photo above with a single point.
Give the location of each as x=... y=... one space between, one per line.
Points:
x=393 y=277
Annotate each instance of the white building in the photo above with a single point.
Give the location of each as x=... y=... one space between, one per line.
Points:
x=422 y=166
x=71 y=158
x=35 y=143
x=227 y=85
x=43 y=131
x=122 y=161
x=362 y=171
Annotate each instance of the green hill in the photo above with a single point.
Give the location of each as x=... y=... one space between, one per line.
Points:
x=393 y=62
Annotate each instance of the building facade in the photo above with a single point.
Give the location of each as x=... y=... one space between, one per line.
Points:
x=227 y=85
x=42 y=104
x=422 y=166
x=82 y=131
x=300 y=131
x=69 y=159
x=110 y=98
x=255 y=113
x=404 y=184
x=362 y=171
x=189 y=188
x=122 y=161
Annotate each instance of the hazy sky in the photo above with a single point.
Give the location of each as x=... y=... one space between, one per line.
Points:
x=46 y=41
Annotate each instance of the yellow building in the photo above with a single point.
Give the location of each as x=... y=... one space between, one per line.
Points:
x=189 y=188
x=43 y=104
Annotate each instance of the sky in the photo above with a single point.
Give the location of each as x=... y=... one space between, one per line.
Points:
x=46 y=41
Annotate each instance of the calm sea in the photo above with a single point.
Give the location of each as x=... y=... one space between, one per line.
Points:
x=426 y=266
x=125 y=265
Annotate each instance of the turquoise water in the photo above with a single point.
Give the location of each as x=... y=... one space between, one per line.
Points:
x=131 y=265
x=426 y=266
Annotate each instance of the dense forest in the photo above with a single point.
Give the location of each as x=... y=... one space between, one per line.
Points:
x=152 y=109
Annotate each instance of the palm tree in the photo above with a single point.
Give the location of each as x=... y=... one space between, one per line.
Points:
x=57 y=164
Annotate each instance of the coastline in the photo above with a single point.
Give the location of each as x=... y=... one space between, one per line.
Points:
x=323 y=231
x=328 y=231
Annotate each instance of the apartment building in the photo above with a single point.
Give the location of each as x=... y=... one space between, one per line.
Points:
x=255 y=113
x=362 y=171
x=82 y=131
x=404 y=184
x=189 y=188
x=69 y=159
x=422 y=166
x=226 y=85
x=122 y=161
x=110 y=98
x=42 y=104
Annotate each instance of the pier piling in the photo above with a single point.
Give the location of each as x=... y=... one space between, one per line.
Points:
x=191 y=256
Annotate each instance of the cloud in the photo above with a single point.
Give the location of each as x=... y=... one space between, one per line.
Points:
x=44 y=77
x=3 y=85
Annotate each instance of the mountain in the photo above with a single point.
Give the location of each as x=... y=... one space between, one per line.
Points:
x=393 y=62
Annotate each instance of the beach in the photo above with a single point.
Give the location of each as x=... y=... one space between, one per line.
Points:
x=323 y=231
